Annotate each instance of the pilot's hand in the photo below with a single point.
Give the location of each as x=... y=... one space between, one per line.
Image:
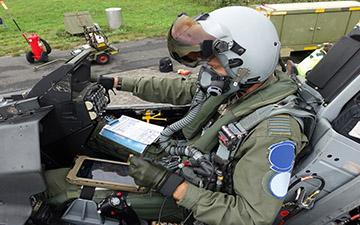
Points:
x=152 y=176
x=106 y=82
x=145 y=174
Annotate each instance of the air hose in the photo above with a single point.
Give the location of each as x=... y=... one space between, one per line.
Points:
x=166 y=134
x=180 y=148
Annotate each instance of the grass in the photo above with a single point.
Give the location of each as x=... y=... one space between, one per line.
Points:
x=141 y=18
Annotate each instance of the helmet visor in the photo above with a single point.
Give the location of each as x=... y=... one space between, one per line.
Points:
x=185 y=39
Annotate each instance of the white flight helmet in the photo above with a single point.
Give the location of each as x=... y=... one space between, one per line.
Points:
x=244 y=40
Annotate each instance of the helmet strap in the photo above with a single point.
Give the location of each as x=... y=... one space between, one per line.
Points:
x=219 y=47
x=224 y=61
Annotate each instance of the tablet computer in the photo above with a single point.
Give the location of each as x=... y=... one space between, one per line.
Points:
x=108 y=174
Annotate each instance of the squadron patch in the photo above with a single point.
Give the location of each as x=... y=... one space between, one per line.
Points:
x=281 y=156
x=279 y=184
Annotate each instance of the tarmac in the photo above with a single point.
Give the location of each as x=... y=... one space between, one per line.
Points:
x=17 y=74
x=136 y=58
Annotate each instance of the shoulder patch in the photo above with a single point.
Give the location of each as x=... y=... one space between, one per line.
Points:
x=279 y=184
x=276 y=184
x=279 y=125
x=282 y=156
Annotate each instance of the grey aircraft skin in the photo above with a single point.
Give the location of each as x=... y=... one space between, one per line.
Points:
x=37 y=127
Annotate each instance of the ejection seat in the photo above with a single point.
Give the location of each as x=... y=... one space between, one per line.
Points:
x=335 y=143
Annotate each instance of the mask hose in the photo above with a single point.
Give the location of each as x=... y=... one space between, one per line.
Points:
x=165 y=135
x=181 y=149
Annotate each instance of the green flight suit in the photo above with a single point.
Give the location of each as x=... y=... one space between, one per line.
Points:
x=253 y=203
x=176 y=91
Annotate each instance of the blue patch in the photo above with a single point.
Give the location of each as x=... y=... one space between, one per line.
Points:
x=280 y=170
x=281 y=156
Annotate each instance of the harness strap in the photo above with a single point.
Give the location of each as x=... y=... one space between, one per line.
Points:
x=308 y=94
x=285 y=106
x=232 y=135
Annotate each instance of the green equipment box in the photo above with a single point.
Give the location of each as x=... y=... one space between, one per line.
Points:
x=306 y=25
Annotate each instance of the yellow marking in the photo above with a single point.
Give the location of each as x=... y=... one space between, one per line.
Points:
x=319 y=10
x=101 y=45
x=3 y=5
x=278 y=13
x=149 y=116
x=310 y=48
x=354 y=8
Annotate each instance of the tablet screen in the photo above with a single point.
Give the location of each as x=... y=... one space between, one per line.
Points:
x=105 y=171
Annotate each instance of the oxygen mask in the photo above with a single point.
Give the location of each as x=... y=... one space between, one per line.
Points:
x=212 y=82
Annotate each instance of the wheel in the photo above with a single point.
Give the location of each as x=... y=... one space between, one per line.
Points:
x=30 y=57
x=102 y=58
x=44 y=57
x=46 y=45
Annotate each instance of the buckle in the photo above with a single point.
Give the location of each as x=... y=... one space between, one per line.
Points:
x=230 y=136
